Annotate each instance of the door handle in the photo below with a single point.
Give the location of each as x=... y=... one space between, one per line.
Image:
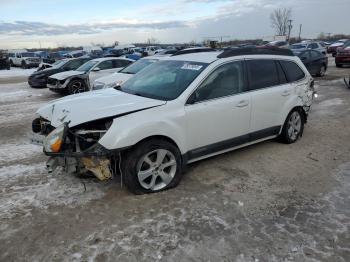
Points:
x=286 y=93
x=242 y=103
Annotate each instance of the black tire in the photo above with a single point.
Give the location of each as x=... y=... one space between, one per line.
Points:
x=76 y=86
x=321 y=72
x=11 y=63
x=339 y=65
x=285 y=136
x=131 y=161
x=24 y=65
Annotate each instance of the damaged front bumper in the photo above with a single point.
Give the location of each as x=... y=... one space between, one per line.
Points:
x=79 y=152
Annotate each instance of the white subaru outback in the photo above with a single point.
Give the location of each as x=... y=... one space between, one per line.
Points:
x=177 y=111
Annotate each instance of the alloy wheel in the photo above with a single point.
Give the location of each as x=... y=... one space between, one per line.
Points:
x=294 y=125
x=77 y=87
x=156 y=169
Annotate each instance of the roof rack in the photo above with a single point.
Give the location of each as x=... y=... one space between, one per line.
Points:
x=255 y=51
x=194 y=50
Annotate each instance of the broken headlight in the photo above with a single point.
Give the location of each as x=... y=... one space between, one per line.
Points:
x=54 y=141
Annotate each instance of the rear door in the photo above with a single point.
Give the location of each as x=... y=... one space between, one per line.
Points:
x=218 y=118
x=270 y=92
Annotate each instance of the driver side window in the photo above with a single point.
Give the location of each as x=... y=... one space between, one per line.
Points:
x=226 y=80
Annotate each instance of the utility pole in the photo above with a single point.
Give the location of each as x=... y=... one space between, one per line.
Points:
x=290 y=26
x=300 y=31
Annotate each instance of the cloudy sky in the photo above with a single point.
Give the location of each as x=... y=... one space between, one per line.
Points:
x=35 y=23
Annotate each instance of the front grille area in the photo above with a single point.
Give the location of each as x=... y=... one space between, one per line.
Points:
x=52 y=81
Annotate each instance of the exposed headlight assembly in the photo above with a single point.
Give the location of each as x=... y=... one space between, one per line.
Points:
x=54 y=141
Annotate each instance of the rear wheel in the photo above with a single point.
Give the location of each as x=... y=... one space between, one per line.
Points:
x=76 y=86
x=152 y=166
x=293 y=127
x=322 y=71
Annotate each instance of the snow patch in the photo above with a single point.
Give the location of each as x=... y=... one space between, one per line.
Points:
x=11 y=152
x=331 y=102
x=29 y=187
x=15 y=72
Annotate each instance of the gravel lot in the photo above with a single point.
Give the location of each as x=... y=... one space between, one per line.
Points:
x=267 y=202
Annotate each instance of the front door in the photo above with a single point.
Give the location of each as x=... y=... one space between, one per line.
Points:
x=218 y=117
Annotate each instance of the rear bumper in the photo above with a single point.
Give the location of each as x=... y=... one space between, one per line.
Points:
x=342 y=60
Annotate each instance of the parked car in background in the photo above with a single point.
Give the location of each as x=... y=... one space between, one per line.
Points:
x=75 y=54
x=24 y=59
x=332 y=49
x=81 y=79
x=315 y=61
x=39 y=78
x=177 y=111
x=151 y=50
x=114 y=53
x=343 y=55
x=280 y=44
x=120 y=77
x=300 y=47
x=4 y=60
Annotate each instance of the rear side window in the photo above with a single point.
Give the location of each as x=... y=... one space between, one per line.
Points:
x=262 y=74
x=292 y=70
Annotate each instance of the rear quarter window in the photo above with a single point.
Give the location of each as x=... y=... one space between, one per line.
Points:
x=292 y=70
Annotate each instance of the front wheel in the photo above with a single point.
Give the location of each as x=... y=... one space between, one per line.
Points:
x=76 y=86
x=339 y=65
x=152 y=166
x=293 y=127
x=24 y=65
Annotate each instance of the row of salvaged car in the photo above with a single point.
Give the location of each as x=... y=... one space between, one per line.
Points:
x=176 y=110
x=70 y=76
x=26 y=59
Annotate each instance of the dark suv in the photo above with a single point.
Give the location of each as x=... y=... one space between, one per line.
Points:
x=39 y=78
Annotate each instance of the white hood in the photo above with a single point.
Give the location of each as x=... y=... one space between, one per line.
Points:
x=114 y=78
x=89 y=106
x=66 y=74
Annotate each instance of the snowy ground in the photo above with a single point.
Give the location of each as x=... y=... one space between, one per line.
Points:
x=16 y=71
x=268 y=202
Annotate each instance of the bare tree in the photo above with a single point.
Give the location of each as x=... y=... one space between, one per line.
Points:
x=152 y=41
x=279 y=20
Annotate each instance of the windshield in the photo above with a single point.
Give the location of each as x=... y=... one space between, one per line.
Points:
x=87 y=66
x=298 y=46
x=138 y=66
x=28 y=55
x=59 y=63
x=164 y=80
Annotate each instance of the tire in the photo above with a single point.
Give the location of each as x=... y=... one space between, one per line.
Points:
x=143 y=173
x=339 y=65
x=11 y=63
x=24 y=65
x=293 y=127
x=322 y=71
x=76 y=86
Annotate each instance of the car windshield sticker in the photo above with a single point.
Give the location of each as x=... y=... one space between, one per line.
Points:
x=191 y=67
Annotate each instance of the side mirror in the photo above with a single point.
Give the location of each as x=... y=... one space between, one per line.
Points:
x=192 y=99
x=96 y=69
